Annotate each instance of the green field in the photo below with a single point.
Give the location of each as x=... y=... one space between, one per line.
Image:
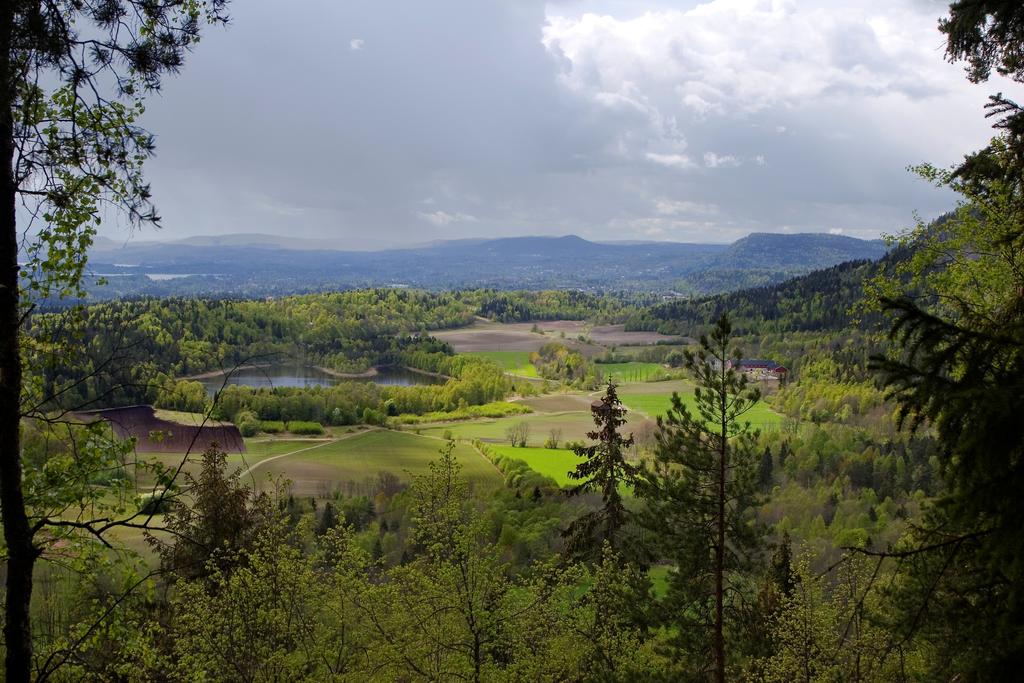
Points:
x=659 y=579
x=550 y=462
x=633 y=371
x=654 y=404
x=573 y=425
x=514 y=362
x=362 y=457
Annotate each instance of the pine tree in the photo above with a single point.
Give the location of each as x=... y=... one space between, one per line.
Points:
x=604 y=470
x=73 y=77
x=209 y=534
x=328 y=519
x=700 y=497
x=764 y=474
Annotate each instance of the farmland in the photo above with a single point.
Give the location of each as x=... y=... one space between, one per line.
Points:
x=655 y=399
x=633 y=371
x=362 y=457
x=573 y=426
x=317 y=467
x=551 y=462
x=488 y=337
x=512 y=362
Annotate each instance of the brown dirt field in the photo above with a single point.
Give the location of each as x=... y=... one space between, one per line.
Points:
x=570 y=327
x=616 y=334
x=558 y=403
x=680 y=385
x=487 y=340
x=141 y=422
x=489 y=336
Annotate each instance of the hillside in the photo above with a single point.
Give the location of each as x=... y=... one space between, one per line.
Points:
x=819 y=301
x=251 y=265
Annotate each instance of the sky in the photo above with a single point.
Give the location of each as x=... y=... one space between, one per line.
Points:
x=377 y=123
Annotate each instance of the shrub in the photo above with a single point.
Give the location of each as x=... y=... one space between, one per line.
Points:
x=272 y=426
x=494 y=409
x=248 y=423
x=301 y=427
x=154 y=503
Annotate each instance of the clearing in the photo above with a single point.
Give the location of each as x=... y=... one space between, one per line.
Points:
x=655 y=398
x=551 y=462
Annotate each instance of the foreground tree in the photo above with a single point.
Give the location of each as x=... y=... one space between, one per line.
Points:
x=989 y=35
x=701 y=494
x=604 y=470
x=957 y=366
x=957 y=307
x=207 y=534
x=72 y=77
x=826 y=629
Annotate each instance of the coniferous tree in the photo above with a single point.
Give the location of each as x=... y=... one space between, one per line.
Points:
x=765 y=471
x=328 y=519
x=605 y=470
x=209 y=533
x=956 y=305
x=700 y=496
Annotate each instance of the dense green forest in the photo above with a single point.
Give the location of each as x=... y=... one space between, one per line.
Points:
x=834 y=487
x=856 y=518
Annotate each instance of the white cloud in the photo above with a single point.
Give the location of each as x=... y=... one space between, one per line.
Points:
x=748 y=55
x=440 y=218
x=670 y=207
x=565 y=116
x=712 y=160
x=835 y=231
x=676 y=229
x=680 y=161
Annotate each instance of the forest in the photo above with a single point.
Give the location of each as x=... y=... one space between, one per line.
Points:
x=593 y=486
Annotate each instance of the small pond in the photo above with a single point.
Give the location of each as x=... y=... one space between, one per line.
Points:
x=298 y=375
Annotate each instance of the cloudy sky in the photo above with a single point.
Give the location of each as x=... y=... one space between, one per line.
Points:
x=383 y=122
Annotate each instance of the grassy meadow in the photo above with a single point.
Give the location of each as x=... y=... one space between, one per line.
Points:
x=551 y=462
x=655 y=399
x=632 y=371
x=512 y=362
x=319 y=471
x=572 y=425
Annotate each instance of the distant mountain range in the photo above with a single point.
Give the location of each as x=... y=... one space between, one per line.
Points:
x=261 y=265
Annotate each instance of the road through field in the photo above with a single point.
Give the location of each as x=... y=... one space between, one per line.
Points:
x=323 y=442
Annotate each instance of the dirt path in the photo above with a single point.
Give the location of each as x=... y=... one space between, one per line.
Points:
x=322 y=443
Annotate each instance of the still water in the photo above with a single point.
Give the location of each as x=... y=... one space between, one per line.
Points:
x=306 y=376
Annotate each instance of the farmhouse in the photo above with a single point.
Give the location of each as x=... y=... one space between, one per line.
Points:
x=759 y=368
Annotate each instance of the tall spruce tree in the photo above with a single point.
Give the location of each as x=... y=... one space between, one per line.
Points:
x=701 y=494
x=957 y=367
x=604 y=470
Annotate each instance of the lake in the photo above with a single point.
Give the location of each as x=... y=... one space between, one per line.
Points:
x=305 y=376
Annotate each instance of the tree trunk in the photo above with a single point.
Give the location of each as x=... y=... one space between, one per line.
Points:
x=720 y=541
x=21 y=553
